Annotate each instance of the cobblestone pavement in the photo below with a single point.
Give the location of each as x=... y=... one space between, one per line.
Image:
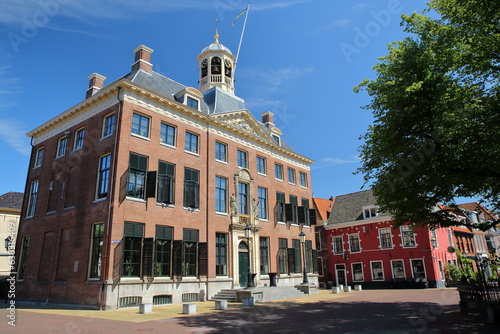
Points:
x=368 y=311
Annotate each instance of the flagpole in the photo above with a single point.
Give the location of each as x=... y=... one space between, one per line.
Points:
x=241 y=39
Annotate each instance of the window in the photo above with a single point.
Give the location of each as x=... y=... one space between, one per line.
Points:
x=262 y=206
x=377 y=271
x=191 y=188
x=291 y=176
x=132 y=249
x=354 y=243
x=441 y=269
x=30 y=212
x=338 y=247
x=166 y=182
x=278 y=172
x=418 y=268
x=296 y=254
x=242 y=159
x=243 y=198
x=221 y=254
x=450 y=238
x=277 y=139
x=220 y=194
x=108 y=126
x=140 y=125
x=264 y=255
x=192 y=103
x=434 y=240
x=220 y=152
x=163 y=250
x=61 y=147
x=261 y=165
x=357 y=272
x=39 y=157
x=167 y=134
x=385 y=238
x=23 y=257
x=308 y=255
x=280 y=207
x=191 y=144
x=408 y=236
x=369 y=212
x=190 y=245
x=398 y=269
x=79 y=139
x=303 y=179
x=96 y=251
x=103 y=177
x=303 y=215
x=216 y=66
x=137 y=175
x=282 y=255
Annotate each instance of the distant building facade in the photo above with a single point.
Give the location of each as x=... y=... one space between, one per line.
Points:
x=364 y=247
x=323 y=209
x=142 y=192
x=10 y=211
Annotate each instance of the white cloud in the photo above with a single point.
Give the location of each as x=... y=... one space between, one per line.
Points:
x=334 y=161
x=14 y=135
x=276 y=78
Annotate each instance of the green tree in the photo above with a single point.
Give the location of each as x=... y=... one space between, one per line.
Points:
x=436 y=107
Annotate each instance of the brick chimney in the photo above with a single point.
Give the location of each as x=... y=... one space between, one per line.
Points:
x=267 y=119
x=95 y=84
x=142 y=59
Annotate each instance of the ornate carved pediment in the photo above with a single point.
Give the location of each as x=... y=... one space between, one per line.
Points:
x=241 y=121
x=243 y=175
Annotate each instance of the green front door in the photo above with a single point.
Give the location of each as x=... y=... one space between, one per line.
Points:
x=243 y=264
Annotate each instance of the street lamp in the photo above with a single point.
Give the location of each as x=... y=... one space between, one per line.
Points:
x=302 y=237
x=248 y=230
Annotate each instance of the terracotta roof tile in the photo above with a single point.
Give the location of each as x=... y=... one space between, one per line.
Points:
x=323 y=206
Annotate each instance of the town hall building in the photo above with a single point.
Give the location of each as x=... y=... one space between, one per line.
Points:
x=149 y=191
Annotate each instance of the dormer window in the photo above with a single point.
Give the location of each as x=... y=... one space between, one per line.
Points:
x=277 y=139
x=369 y=212
x=193 y=103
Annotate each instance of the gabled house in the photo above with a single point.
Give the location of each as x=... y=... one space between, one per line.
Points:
x=10 y=212
x=323 y=209
x=365 y=248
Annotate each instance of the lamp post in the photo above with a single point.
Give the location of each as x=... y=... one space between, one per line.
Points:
x=248 y=230
x=302 y=237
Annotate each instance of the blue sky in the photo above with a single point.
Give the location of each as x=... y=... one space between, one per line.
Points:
x=299 y=59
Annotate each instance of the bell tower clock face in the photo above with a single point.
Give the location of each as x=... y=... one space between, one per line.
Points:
x=227 y=67
x=204 y=68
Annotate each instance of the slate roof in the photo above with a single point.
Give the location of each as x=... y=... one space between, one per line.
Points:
x=349 y=207
x=11 y=200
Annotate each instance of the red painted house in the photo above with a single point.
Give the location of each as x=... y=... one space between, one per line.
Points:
x=366 y=249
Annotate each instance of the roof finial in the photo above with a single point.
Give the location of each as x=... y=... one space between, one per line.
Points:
x=216 y=36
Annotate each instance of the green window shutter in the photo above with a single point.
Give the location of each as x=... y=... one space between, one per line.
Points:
x=134 y=230
x=312 y=216
x=301 y=215
x=291 y=260
x=190 y=235
x=164 y=232
x=138 y=161
x=289 y=208
x=151 y=184
x=147 y=257
x=202 y=259
x=315 y=260
x=177 y=258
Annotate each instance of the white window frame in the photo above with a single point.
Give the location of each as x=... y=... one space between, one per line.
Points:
x=359 y=243
x=260 y=158
x=78 y=144
x=149 y=126
x=290 y=173
x=60 y=154
x=370 y=211
x=411 y=265
x=39 y=157
x=276 y=165
x=392 y=268
x=168 y=125
x=33 y=196
x=362 y=272
x=372 y=272
x=197 y=151
x=303 y=180
x=104 y=133
x=402 y=231
x=341 y=243
x=384 y=229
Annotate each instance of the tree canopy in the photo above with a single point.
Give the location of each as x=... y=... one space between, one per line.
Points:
x=435 y=101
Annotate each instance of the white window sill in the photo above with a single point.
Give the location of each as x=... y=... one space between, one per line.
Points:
x=140 y=137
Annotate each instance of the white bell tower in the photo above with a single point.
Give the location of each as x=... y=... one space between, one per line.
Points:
x=216 y=63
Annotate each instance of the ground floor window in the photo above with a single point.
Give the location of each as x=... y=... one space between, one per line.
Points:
x=190 y=251
x=24 y=256
x=398 y=269
x=418 y=268
x=221 y=254
x=163 y=250
x=264 y=255
x=132 y=249
x=282 y=255
x=297 y=268
x=377 y=271
x=96 y=255
x=357 y=272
